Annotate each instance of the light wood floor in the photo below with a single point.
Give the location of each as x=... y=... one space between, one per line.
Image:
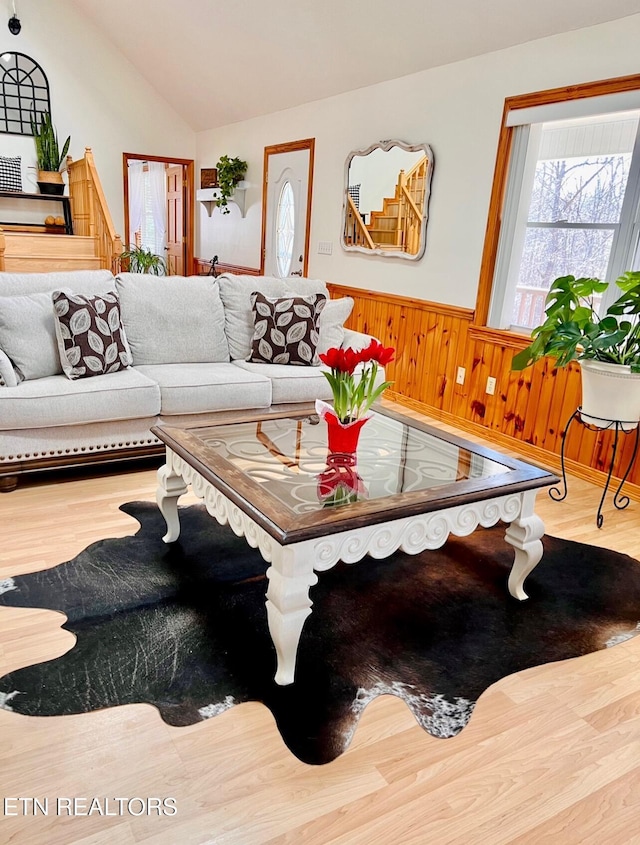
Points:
x=551 y=755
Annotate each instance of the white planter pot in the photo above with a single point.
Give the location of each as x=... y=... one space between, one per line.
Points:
x=610 y=392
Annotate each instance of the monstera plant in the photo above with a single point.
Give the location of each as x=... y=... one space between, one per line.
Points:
x=606 y=346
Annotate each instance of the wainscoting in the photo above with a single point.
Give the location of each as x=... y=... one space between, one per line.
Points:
x=528 y=410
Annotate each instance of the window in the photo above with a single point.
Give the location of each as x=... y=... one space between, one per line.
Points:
x=285 y=230
x=566 y=198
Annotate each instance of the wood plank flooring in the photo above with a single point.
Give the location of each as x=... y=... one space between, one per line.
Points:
x=551 y=754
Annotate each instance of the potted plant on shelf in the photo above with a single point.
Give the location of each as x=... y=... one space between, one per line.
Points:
x=137 y=259
x=606 y=347
x=230 y=172
x=49 y=157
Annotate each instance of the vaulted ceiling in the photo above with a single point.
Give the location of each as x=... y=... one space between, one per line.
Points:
x=221 y=61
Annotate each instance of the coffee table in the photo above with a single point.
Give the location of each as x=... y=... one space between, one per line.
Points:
x=260 y=475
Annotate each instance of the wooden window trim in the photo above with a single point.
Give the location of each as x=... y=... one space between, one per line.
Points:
x=503 y=157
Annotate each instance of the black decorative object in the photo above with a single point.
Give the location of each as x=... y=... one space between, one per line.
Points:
x=184 y=627
x=24 y=93
x=14 y=25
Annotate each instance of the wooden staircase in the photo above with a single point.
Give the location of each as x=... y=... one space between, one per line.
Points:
x=93 y=245
x=398 y=226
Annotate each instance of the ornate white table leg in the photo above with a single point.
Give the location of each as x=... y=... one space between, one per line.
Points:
x=524 y=535
x=288 y=604
x=170 y=487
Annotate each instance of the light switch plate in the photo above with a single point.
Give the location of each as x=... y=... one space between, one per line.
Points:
x=325 y=247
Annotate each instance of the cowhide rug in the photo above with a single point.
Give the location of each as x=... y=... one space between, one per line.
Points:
x=184 y=627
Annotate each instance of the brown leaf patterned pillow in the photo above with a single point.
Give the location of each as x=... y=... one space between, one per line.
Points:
x=286 y=329
x=91 y=338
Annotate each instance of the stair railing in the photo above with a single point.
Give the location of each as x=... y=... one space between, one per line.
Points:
x=355 y=231
x=91 y=215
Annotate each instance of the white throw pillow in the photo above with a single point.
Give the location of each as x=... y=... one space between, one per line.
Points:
x=331 y=323
x=173 y=319
x=28 y=334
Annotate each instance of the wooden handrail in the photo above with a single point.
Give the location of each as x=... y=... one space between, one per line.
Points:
x=91 y=215
x=355 y=231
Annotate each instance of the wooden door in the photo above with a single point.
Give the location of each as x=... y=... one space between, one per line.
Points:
x=175 y=221
x=286 y=220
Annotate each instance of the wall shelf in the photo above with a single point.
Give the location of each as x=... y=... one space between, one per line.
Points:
x=209 y=197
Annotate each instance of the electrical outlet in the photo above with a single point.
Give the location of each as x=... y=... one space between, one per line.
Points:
x=491 y=386
x=460 y=375
x=325 y=247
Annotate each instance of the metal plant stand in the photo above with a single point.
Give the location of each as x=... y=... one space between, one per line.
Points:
x=620 y=501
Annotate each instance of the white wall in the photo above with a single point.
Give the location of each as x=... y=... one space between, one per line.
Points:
x=97 y=97
x=457 y=110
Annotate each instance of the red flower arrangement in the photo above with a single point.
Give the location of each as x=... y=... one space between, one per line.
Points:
x=352 y=397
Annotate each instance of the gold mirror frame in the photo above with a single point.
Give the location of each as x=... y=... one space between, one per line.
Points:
x=403 y=232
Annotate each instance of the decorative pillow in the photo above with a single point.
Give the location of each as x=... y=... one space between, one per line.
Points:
x=235 y=293
x=28 y=335
x=173 y=319
x=331 y=323
x=10 y=173
x=91 y=338
x=286 y=329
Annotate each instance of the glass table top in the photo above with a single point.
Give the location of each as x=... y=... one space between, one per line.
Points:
x=288 y=457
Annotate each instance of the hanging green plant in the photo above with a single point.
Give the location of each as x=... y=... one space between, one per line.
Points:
x=230 y=172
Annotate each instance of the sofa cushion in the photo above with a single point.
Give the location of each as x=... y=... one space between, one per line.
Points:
x=91 y=340
x=28 y=335
x=173 y=319
x=286 y=329
x=291 y=384
x=235 y=292
x=56 y=400
x=78 y=281
x=331 y=324
x=199 y=388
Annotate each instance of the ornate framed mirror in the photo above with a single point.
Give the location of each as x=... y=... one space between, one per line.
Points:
x=386 y=200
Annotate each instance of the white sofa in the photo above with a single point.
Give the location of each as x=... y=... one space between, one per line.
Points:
x=189 y=340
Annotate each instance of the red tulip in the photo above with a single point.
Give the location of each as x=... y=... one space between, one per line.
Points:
x=377 y=352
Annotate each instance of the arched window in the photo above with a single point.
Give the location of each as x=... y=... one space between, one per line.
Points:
x=285 y=229
x=24 y=93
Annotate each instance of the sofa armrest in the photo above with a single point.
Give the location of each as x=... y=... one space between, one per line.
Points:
x=7 y=373
x=356 y=340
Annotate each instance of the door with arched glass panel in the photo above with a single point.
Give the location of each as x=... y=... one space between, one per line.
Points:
x=286 y=218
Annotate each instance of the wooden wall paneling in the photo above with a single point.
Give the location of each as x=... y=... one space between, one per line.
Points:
x=452 y=355
x=413 y=338
x=405 y=346
x=516 y=411
x=423 y=362
x=455 y=351
x=495 y=404
x=531 y=406
x=435 y=341
x=456 y=357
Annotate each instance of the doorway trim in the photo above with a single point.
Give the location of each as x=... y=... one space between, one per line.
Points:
x=274 y=149
x=188 y=200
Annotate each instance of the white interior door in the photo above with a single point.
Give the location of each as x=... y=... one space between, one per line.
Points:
x=287 y=208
